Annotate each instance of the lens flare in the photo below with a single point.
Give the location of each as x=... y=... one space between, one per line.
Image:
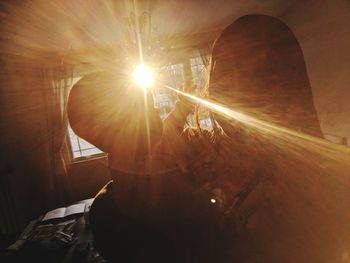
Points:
x=290 y=137
x=143 y=76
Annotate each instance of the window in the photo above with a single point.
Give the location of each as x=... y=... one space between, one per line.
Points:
x=199 y=72
x=80 y=147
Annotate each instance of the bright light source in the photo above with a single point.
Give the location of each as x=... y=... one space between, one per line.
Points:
x=143 y=76
x=212 y=200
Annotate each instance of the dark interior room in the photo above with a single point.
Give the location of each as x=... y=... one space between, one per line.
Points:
x=175 y=131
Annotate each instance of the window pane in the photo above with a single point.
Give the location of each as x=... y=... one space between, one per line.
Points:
x=199 y=73
x=81 y=147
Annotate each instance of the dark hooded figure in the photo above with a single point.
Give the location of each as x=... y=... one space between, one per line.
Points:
x=286 y=189
x=258 y=68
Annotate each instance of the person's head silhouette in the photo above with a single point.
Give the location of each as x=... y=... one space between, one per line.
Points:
x=258 y=68
x=107 y=110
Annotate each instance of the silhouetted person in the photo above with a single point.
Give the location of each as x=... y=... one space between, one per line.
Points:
x=297 y=203
x=258 y=68
x=151 y=211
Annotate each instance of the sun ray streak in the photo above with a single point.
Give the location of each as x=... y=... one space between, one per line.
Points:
x=138 y=35
x=147 y=122
x=260 y=125
x=141 y=58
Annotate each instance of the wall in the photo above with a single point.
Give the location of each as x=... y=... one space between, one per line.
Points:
x=323 y=29
x=25 y=141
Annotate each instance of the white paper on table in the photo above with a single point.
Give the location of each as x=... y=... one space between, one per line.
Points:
x=65 y=211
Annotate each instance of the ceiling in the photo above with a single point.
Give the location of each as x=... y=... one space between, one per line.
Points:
x=29 y=27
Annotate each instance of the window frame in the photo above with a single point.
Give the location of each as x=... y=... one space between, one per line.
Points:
x=69 y=130
x=81 y=157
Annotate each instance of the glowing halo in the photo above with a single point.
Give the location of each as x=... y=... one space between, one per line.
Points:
x=143 y=76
